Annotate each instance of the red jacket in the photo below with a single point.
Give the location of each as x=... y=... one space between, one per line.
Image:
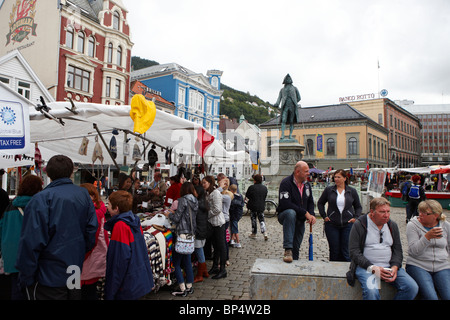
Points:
x=172 y=194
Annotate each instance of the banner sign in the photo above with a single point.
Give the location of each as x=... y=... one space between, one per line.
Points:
x=14 y=120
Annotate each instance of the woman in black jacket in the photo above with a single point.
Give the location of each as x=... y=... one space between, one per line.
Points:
x=201 y=233
x=344 y=208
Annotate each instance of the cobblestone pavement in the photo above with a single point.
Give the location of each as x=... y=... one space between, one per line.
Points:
x=237 y=284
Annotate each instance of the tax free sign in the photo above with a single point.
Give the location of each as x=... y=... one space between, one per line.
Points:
x=14 y=122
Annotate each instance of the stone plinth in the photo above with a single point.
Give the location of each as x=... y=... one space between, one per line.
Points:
x=285 y=154
x=273 y=279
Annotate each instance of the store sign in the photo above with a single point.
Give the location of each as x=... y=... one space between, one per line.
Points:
x=22 y=23
x=12 y=126
x=357 y=97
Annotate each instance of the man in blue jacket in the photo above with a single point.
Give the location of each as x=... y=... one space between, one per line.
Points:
x=296 y=206
x=59 y=227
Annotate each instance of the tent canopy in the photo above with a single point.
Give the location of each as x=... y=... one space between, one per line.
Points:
x=167 y=131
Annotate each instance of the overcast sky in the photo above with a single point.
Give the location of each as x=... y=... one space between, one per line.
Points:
x=331 y=48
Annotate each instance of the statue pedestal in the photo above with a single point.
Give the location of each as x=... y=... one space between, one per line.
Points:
x=285 y=155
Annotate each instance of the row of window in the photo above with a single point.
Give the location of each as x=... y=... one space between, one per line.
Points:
x=196 y=101
x=403 y=126
x=80 y=79
x=352 y=147
x=91 y=42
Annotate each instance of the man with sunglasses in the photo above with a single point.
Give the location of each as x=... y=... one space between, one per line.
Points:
x=376 y=254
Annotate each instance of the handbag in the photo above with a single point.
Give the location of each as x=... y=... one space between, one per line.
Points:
x=185 y=242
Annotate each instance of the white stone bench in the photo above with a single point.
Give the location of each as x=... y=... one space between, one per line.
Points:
x=273 y=279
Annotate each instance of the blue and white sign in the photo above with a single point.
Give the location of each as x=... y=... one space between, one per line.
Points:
x=12 y=125
x=384 y=93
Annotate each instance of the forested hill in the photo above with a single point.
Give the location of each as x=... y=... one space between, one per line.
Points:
x=234 y=102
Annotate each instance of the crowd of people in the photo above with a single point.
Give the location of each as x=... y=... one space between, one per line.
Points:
x=46 y=234
x=61 y=242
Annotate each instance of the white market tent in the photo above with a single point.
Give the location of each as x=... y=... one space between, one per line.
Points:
x=167 y=131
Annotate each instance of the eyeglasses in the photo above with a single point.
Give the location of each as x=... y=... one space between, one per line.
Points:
x=381 y=237
x=426 y=213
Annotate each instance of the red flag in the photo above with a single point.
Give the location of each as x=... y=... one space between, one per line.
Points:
x=204 y=140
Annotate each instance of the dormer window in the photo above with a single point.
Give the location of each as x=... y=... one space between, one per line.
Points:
x=69 y=37
x=116 y=21
x=80 y=42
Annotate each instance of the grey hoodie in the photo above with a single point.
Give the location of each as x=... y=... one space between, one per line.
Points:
x=431 y=255
x=181 y=217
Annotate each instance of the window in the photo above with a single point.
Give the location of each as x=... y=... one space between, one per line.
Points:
x=352 y=146
x=119 y=56
x=208 y=106
x=91 y=47
x=24 y=89
x=78 y=79
x=4 y=80
x=309 y=147
x=196 y=101
x=116 y=20
x=331 y=147
x=108 y=87
x=182 y=96
x=80 y=42
x=110 y=53
x=118 y=83
x=69 y=37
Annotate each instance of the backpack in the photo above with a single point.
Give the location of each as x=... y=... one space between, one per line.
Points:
x=405 y=188
x=414 y=192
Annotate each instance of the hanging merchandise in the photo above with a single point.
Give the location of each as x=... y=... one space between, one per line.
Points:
x=136 y=151
x=98 y=152
x=84 y=146
x=152 y=156
x=126 y=148
x=143 y=113
x=113 y=147
x=37 y=160
x=169 y=156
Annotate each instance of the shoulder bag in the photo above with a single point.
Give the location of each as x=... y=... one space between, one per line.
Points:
x=185 y=242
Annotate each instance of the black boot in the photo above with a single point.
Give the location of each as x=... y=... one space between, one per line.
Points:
x=222 y=273
x=214 y=269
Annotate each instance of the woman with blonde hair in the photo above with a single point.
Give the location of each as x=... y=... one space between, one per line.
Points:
x=428 y=251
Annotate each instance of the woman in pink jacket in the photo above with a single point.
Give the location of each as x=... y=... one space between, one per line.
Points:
x=94 y=266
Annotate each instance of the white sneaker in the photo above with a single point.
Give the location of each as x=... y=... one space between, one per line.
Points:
x=237 y=245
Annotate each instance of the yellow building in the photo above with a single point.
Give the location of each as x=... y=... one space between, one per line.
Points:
x=336 y=136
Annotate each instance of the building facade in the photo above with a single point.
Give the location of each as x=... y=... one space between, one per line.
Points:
x=80 y=49
x=435 y=133
x=196 y=97
x=161 y=104
x=404 y=130
x=336 y=136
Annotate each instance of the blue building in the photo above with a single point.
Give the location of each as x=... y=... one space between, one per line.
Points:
x=196 y=97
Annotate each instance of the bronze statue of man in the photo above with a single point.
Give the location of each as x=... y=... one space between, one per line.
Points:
x=288 y=100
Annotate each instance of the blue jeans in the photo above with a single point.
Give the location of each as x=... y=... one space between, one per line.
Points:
x=431 y=283
x=406 y=286
x=200 y=255
x=337 y=237
x=185 y=260
x=293 y=231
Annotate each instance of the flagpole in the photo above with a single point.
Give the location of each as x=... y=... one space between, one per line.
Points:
x=379 y=79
